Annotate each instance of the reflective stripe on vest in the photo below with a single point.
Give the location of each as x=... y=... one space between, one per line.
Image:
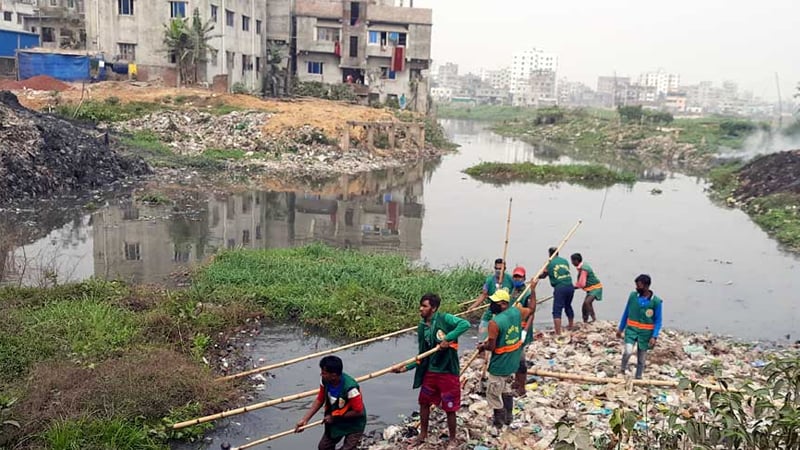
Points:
x=508 y=348
x=593 y=287
x=640 y=325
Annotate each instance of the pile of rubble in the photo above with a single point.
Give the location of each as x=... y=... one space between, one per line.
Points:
x=42 y=155
x=769 y=174
x=190 y=132
x=593 y=351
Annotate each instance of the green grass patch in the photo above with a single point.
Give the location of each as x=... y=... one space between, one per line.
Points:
x=150 y=147
x=779 y=216
x=110 y=434
x=344 y=292
x=224 y=154
x=153 y=198
x=593 y=176
x=723 y=179
x=109 y=110
x=493 y=113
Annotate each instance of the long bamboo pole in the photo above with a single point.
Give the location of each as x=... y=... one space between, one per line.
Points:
x=329 y=351
x=535 y=280
x=289 y=398
x=598 y=380
x=276 y=436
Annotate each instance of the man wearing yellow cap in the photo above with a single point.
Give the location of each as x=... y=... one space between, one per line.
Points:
x=505 y=344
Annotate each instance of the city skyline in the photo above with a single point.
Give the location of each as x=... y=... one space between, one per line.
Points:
x=714 y=40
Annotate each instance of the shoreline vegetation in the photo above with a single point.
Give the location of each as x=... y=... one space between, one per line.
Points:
x=592 y=176
x=104 y=364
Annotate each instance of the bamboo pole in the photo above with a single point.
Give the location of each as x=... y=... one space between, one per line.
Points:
x=466 y=366
x=599 y=380
x=288 y=398
x=329 y=351
x=276 y=436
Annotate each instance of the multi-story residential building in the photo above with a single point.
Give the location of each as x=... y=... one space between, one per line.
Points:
x=133 y=31
x=574 y=93
x=675 y=102
x=382 y=49
x=14 y=12
x=525 y=63
x=441 y=94
x=447 y=75
x=663 y=82
x=612 y=90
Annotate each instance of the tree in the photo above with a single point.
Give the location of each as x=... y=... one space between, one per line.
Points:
x=188 y=43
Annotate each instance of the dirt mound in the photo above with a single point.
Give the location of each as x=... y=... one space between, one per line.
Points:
x=37 y=83
x=42 y=155
x=770 y=174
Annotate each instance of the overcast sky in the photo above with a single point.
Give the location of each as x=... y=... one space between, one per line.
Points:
x=745 y=41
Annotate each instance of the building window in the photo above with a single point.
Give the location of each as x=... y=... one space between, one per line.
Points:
x=48 y=34
x=231 y=60
x=245 y=237
x=258 y=232
x=315 y=67
x=213 y=13
x=246 y=64
x=245 y=23
x=19 y=19
x=213 y=57
x=7 y=16
x=53 y=2
x=386 y=73
x=374 y=37
x=127 y=52
x=328 y=34
x=132 y=251
x=229 y=18
x=258 y=64
x=181 y=253
x=258 y=26
x=353 y=46
x=177 y=9
x=71 y=4
x=231 y=243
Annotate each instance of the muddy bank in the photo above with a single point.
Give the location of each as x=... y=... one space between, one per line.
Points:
x=42 y=155
x=594 y=351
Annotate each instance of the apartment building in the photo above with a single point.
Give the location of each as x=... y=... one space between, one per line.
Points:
x=14 y=12
x=525 y=63
x=59 y=23
x=663 y=82
x=381 y=49
x=133 y=31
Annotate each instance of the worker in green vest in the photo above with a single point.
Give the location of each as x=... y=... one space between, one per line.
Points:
x=504 y=341
x=438 y=375
x=345 y=415
x=641 y=322
x=498 y=280
x=524 y=301
x=588 y=281
x=563 y=289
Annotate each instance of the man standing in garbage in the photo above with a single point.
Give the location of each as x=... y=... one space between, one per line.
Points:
x=518 y=278
x=498 y=280
x=641 y=322
x=438 y=375
x=345 y=415
x=505 y=344
x=563 y=290
x=588 y=281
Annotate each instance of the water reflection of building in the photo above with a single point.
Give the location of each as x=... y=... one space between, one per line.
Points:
x=376 y=211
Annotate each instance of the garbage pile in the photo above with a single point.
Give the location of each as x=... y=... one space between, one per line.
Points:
x=591 y=350
x=769 y=174
x=303 y=152
x=43 y=155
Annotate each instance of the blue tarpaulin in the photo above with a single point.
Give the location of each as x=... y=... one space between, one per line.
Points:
x=11 y=40
x=59 y=66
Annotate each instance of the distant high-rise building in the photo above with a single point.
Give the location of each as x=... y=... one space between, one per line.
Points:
x=526 y=63
x=447 y=75
x=663 y=82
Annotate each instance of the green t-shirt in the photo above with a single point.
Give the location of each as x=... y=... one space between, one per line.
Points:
x=558 y=271
x=443 y=327
x=490 y=286
x=506 y=355
x=343 y=427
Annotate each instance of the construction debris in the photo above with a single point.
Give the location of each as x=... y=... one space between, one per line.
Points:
x=593 y=351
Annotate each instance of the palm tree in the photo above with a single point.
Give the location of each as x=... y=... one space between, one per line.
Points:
x=188 y=44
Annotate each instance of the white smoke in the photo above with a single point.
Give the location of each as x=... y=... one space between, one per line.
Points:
x=762 y=143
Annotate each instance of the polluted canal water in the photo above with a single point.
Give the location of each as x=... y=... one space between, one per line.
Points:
x=714 y=268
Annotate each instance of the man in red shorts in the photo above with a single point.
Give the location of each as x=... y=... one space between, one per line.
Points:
x=437 y=375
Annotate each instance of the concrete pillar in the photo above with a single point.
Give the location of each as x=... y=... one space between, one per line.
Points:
x=391 y=130
x=421 y=136
x=370 y=137
x=345 y=142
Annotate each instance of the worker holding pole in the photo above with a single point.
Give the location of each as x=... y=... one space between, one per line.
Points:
x=498 y=280
x=505 y=344
x=641 y=323
x=563 y=289
x=522 y=298
x=437 y=376
x=345 y=415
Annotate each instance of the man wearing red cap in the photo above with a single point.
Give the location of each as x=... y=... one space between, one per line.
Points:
x=522 y=301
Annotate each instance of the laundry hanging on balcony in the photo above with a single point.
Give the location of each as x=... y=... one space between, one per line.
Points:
x=398 y=59
x=337 y=48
